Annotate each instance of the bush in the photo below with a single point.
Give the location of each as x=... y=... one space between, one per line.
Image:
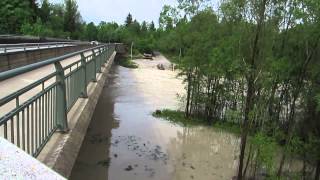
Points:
x=126 y=62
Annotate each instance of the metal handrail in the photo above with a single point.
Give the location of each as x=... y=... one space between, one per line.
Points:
x=24 y=46
x=31 y=123
x=14 y=72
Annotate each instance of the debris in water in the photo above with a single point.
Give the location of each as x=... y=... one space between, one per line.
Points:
x=129 y=168
x=150 y=170
x=142 y=148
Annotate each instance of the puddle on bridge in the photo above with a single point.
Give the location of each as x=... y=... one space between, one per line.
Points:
x=124 y=141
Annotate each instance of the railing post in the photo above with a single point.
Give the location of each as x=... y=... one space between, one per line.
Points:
x=84 y=93
x=100 y=59
x=105 y=54
x=61 y=102
x=94 y=79
x=109 y=51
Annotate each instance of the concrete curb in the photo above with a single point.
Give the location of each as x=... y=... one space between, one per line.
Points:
x=61 y=151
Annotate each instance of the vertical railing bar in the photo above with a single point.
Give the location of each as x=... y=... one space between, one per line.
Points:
x=55 y=106
x=28 y=130
x=42 y=119
x=32 y=128
x=51 y=110
x=18 y=122
x=5 y=130
x=36 y=124
x=51 y=107
x=39 y=122
x=71 y=90
x=42 y=115
x=45 y=115
x=23 y=131
x=42 y=86
x=12 y=130
x=48 y=112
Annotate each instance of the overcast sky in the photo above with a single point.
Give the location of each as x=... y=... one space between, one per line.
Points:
x=117 y=10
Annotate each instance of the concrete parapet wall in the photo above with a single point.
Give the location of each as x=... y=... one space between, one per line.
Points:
x=13 y=60
x=61 y=151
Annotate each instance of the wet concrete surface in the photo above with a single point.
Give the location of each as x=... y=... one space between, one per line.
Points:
x=124 y=141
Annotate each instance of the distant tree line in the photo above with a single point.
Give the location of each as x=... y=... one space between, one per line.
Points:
x=27 y=17
x=44 y=19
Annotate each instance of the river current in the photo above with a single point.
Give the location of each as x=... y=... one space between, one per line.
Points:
x=124 y=141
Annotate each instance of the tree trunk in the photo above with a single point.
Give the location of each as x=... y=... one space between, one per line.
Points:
x=317 y=175
x=251 y=88
x=187 y=111
x=244 y=133
x=248 y=160
x=304 y=168
x=283 y=158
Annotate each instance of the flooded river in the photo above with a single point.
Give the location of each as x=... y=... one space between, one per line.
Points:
x=124 y=141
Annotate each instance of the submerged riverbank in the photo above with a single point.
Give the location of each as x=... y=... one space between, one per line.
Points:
x=178 y=117
x=269 y=153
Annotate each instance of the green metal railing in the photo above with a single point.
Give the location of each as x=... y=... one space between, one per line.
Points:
x=30 y=124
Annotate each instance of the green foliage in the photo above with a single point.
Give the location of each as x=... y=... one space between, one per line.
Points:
x=51 y=20
x=72 y=18
x=128 y=21
x=266 y=150
x=91 y=32
x=14 y=13
x=37 y=29
x=108 y=32
x=126 y=62
x=177 y=117
x=168 y=17
x=44 y=11
x=254 y=64
x=318 y=102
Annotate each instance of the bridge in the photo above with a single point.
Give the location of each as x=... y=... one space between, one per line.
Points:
x=46 y=104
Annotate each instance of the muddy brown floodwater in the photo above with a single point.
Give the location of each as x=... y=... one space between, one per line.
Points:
x=124 y=141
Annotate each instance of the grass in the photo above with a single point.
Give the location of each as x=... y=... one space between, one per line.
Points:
x=178 y=117
x=126 y=62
